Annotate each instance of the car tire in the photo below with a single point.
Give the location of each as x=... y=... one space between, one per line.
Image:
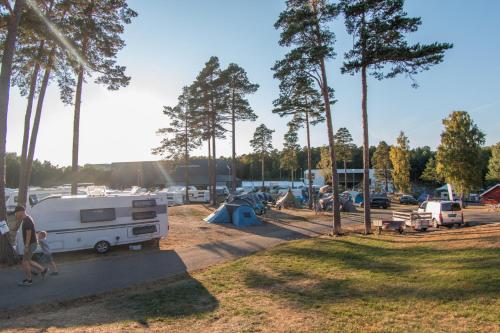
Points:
x=102 y=247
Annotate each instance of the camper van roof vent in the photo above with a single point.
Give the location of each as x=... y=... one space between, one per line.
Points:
x=96 y=191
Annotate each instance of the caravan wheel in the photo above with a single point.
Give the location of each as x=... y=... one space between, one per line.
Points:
x=102 y=247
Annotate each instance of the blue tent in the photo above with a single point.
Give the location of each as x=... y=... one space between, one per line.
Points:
x=221 y=215
x=240 y=215
x=244 y=216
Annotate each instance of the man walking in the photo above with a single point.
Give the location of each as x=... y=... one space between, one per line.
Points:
x=30 y=245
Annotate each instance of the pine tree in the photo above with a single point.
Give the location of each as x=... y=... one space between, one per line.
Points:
x=237 y=87
x=299 y=99
x=97 y=26
x=343 y=147
x=182 y=134
x=400 y=160
x=262 y=145
x=304 y=25
x=493 y=174
x=51 y=57
x=381 y=162
x=289 y=159
x=459 y=152
x=209 y=95
x=379 y=29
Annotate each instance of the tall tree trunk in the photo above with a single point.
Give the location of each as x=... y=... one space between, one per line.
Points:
x=366 y=155
x=76 y=132
x=186 y=162
x=262 y=170
x=345 y=175
x=38 y=115
x=309 y=162
x=331 y=142
x=233 y=161
x=76 y=118
x=386 y=175
x=209 y=181
x=23 y=187
x=214 y=166
x=6 y=251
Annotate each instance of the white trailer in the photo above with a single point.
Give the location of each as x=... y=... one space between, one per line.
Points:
x=98 y=222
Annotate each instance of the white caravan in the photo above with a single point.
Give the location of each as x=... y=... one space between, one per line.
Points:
x=173 y=198
x=99 y=222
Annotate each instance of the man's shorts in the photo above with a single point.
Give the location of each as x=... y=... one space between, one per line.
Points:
x=31 y=249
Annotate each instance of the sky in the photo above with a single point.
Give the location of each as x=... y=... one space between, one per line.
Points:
x=170 y=40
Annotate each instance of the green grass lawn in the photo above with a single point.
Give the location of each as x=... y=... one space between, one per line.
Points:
x=354 y=283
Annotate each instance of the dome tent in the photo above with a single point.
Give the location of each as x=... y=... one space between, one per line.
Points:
x=241 y=215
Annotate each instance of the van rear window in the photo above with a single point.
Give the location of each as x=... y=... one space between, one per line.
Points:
x=144 y=215
x=451 y=207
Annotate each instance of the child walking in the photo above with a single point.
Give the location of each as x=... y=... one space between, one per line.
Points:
x=47 y=255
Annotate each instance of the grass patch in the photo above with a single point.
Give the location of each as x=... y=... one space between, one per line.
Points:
x=351 y=284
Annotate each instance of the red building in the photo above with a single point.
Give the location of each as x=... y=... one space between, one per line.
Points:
x=491 y=196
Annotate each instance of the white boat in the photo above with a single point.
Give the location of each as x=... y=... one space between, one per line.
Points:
x=98 y=222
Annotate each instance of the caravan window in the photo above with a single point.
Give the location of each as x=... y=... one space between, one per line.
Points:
x=143 y=215
x=149 y=229
x=97 y=215
x=144 y=203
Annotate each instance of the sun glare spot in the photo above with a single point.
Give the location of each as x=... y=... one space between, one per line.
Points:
x=57 y=33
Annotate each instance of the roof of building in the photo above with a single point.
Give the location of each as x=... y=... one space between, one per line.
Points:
x=490 y=189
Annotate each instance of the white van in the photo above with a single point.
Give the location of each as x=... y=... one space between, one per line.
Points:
x=98 y=222
x=446 y=213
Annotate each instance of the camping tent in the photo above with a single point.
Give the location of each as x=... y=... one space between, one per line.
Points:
x=241 y=215
x=244 y=216
x=288 y=201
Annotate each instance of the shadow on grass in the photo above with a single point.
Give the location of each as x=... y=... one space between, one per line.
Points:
x=185 y=297
x=343 y=271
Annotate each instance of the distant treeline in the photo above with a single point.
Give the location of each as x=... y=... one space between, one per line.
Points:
x=46 y=174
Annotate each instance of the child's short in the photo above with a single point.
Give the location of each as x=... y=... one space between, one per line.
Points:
x=46 y=258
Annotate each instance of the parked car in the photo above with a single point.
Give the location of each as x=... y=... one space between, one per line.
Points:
x=408 y=200
x=444 y=213
x=378 y=202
